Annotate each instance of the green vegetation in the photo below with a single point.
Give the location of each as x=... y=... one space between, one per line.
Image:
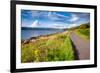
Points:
x=84 y=31
x=56 y=47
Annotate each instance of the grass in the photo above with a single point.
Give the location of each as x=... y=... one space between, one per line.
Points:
x=84 y=33
x=56 y=47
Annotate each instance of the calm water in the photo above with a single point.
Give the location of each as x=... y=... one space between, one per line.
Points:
x=27 y=34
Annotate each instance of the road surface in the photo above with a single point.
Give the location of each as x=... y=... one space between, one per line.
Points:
x=82 y=46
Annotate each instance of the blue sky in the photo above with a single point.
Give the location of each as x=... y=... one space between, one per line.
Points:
x=52 y=19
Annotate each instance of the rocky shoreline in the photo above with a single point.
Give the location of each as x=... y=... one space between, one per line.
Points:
x=33 y=39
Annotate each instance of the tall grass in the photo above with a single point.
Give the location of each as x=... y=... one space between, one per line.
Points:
x=58 y=48
x=85 y=33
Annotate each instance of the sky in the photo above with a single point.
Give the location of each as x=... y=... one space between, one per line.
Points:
x=53 y=19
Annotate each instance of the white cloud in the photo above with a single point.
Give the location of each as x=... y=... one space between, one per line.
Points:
x=56 y=16
x=60 y=15
x=34 y=24
x=34 y=13
x=60 y=26
x=55 y=24
x=72 y=25
x=52 y=16
x=49 y=14
x=74 y=18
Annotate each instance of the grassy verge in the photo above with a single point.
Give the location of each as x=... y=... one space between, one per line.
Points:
x=84 y=33
x=56 y=47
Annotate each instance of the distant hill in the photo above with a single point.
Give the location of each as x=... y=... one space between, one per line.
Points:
x=82 y=26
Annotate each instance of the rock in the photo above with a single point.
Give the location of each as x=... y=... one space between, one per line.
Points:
x=26 y=42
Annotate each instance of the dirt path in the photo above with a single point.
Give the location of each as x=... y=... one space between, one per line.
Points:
x=82 y=46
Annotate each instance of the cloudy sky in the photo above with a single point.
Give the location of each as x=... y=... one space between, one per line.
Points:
x=50 y=19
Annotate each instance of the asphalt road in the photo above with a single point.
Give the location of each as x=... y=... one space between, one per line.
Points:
x=82 y=46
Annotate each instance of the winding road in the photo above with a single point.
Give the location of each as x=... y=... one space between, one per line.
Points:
x=82 y=46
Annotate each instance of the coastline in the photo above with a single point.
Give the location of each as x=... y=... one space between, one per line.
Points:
x=33 y=39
